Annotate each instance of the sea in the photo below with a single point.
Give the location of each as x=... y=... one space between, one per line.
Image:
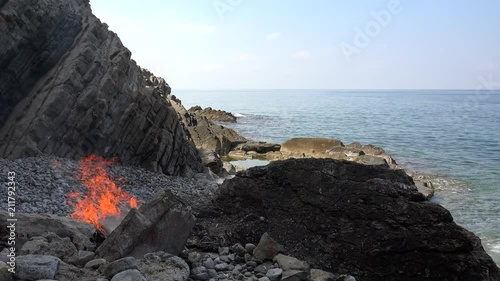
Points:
x=451 y=135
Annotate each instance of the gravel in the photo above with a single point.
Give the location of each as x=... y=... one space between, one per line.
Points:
x=42 y=184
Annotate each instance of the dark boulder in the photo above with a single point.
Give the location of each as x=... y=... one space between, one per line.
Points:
x=344 y=217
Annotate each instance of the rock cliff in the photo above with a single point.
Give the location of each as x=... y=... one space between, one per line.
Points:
x=68 y=87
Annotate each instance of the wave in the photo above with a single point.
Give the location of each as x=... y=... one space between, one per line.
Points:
x=238 y=115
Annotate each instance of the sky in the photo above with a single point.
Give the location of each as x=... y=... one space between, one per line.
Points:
x=314 y=44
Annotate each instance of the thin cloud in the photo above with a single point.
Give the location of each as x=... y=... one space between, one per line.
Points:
x=273 y=36
x=302 y=55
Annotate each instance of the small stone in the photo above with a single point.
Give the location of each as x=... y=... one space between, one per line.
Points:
x=221 y=266
x=263 y=268
x=247 y=274
x=294 y=275
x=320 y=275
x=212 y=272
x=200 y=273
x=264 y=279
x=249 y=247
x=290 y=263
x=224 y=251
x=118 y=266
x=274 y=274
x=209 y=263
x=34 y=267
x=95 y=264
x=252 y=263
x=238 y=249
x=129 y=275
x=225 y=259
x=81 y=258
x=230 y=267
x=194 y=257
x=235 y=272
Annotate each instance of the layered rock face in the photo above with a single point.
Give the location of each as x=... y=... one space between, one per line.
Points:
x=206 y=134
x=340 y=216
x=68 y=87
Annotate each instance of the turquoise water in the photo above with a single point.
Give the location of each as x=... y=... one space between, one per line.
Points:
x=453 y=135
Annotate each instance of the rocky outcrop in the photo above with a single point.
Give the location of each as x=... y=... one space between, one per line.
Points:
x=206 y=134
x=68 y=87
x=213 y=115
x=314 y=148
x=367 y=221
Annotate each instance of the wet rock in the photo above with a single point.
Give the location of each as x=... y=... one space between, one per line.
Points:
x=267 y=248
x=35 y=267
x=310 y=145
x=259 y=147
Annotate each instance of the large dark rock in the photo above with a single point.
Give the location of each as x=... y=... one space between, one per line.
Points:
x=162 y=224
x=344 y=217
x=68 y=87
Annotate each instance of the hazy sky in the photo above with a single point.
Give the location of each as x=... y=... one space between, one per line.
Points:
x=255 y=44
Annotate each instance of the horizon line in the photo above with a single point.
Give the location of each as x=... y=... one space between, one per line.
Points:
x=330 y=89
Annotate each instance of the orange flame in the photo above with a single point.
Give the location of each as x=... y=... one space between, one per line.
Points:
x=103 y=199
